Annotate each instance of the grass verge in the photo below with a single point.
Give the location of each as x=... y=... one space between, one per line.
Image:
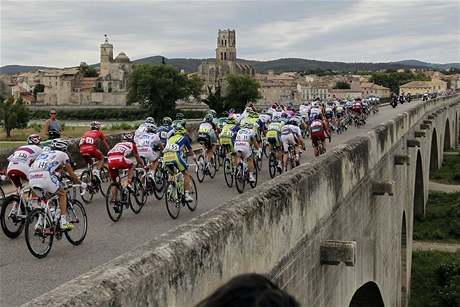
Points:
x=449 y=173
x=442 y=221
x=435 y=279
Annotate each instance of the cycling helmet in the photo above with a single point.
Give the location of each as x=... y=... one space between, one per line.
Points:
x=151 y=128
x=179 y=130
x=213 y=113
x=167 y=121
x=60 y=145
x=231 y=120
x=128 y=136
x=53 y=134
x=225 y=113
x=208 y=118
x=33 y=139
x=232 y=110
x=150 y=120
x=284 y=115
x=253 y=114
x=180 y=116
x=279 y=109
x=295 y=121
x=95 y=125
x=248 y=125
x=319 y=116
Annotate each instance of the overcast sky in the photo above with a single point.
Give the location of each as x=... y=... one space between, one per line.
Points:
x=64 y=33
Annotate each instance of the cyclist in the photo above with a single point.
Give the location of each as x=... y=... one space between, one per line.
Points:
x=245 y=139
x=165 y=131
x=149 y=147
x=88 y=147
x=318 y=129
x=257 y=125
x=274 y=138
x=227 y=136
x=143 y=127
x=340 y=112
x=172 y=154
x=291 y=135
x=207 y=135
x=329 y=114
x=117 y=160
x=45 y=173
x=19 y=164
x=179 y=120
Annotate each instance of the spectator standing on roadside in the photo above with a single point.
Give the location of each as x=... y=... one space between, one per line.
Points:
x=52 y=123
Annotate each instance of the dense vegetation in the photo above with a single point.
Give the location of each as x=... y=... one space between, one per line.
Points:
x=435 y=279
x=449 y=173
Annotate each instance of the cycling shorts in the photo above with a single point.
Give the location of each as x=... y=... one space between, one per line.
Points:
x=226 y=141
x=117 y=163
x=44 y=180
x=244 y=148
x=314 y=137
x=273 y=137
x=90 y=150
x=148 y=153
x=288 y=139
x=17 y=172
x=174 y=158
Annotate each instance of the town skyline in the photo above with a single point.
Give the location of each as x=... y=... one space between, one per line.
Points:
x=342 y=31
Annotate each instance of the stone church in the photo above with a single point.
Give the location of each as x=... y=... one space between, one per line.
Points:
x=213 y=72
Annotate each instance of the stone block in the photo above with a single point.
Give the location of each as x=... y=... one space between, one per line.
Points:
x=413 y=143
x=440 y=111
x=431 y=116
x=425 y=126
x=333 y=252
x=427 y=122
x=419 y=134
x=380 y=188
x=402 y=159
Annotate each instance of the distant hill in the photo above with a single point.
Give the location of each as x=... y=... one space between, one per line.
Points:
x=280 y=65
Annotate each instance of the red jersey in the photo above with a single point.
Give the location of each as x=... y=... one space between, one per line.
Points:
x=123 y=149
x=91 y=137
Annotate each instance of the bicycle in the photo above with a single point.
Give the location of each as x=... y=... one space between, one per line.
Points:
x=228 y=167
x=94 y=184
x=175 y=192
x=273 y=163
x=43 y=224
x=13 y=223
x=123 y=197
x=204 y=168
x=321 y=149
x=292 y=157
x=242 y=174
x=2 y=193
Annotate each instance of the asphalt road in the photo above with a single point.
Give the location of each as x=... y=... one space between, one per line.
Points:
x=24 y=277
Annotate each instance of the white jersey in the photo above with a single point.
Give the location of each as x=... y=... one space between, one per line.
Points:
x=25 y=154
x=238 y=117
x=290 y=129
x=315 y=110
x=265 y=118
x=245 y=135
x=276 y=114
x=49 y=161
x=304 y=109
x=148 y=140
x=140 y=130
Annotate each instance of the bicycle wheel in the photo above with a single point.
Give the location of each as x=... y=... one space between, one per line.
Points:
x=114 y=208
x=105 y=180
x=194 y=193
x=272 y=164
x=39 y=233
x=12 y=224
x=2 y=196
x=216 y=160
x=240 y=181
x=86 y=177
x=258 y=162
x=76 y=215
x=160 y=182
x=221 y=155
x=213 y=166
x=200 y=168
x=256 y=176
x=172 y=200
x=140 y=198
x=265 y=149
x=228 y=172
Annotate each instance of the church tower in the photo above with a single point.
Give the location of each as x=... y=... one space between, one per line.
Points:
x=106 y=56
x=226 y=46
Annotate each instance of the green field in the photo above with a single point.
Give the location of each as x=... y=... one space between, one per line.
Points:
x=449 y=173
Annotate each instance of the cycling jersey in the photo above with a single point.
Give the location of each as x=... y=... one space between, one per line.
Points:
x=317 y=129
x=19 y=163
x=146 y=145
x=172 y=152
x=228 y=134
x=88 y=145
x=165 y=132
x=243 y=142
x=206 y=134
x=42 y=171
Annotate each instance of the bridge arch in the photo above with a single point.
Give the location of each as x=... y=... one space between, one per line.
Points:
x=434 y=164
x=404 y=263
x=419 y=194
x=447 y=143
x=367 y=295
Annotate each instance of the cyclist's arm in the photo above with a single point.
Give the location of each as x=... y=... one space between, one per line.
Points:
x=70 y=172
x=106 y=145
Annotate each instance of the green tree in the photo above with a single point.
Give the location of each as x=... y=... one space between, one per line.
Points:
x=14 y=114
x=241 y=90
x=215 y=100
x=157 y=87
x=342 y=85
x=394 y=80
x=39 y=88
x=87 y=71
x=195 y=87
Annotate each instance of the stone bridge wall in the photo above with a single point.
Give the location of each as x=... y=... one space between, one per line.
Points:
x=321 y=231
